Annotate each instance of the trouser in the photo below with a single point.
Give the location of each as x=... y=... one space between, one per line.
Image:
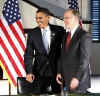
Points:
x=49 y=85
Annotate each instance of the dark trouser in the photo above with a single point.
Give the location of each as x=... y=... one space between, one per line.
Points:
x=49 y=85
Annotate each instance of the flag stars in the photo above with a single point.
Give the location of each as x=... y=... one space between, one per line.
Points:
x=16 y=1
x=10 y=20
x=18 y=15
x=16 y=5
x=73 y=4
x=14 y=17
x=12 y=4
x=9 y=2
x=11 y=12
x=10 y=16
x=7 y=14
x=3 y=9
x=12 y=8
x=8 y=6
x=15 y=14
x=15 y=10
x=7 y=10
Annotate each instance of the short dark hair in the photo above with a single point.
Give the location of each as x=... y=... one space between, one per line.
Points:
x=44 y=10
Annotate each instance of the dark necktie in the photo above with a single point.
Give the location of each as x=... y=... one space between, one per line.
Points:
x=68 y=38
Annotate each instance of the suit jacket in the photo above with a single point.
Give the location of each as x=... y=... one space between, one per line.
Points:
x=44 y=64
x=75 y=60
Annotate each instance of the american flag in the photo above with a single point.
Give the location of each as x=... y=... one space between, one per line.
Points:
x=12 y=42
x=73 y=4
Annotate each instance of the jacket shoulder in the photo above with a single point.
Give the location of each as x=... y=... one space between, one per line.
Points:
x=85 y=32
x=57 y=26
x=34 y=30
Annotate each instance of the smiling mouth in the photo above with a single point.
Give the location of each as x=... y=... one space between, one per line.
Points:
x=39 y=23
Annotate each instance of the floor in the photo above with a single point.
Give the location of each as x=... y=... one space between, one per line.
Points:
x=95 y=84
x=4 y=86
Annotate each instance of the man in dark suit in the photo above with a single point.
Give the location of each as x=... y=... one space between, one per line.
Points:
x=45 y=56
x=74 y=65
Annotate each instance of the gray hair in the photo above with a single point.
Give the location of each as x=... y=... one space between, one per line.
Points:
x=74 y=12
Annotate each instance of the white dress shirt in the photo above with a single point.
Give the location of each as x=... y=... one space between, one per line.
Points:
x=73 y=30
x=48 y=34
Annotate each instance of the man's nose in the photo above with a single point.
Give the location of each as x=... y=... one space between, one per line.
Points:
x=38 y=20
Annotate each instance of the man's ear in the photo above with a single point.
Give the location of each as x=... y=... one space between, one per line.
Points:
x=49 y=17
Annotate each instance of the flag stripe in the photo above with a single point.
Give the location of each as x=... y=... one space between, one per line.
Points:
x=20 y=31
x=12 y=52
x=17 y=36
x=11 y=59
x=19 y=23
x=22 y=36
x=8 y=69
x=12 y=37
x=8 y=37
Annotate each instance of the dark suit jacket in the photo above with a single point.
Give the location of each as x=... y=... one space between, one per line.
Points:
x=75 y=60
x=44 y=65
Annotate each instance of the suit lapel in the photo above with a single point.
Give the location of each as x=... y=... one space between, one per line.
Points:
x=52 y=37
x=74 y=39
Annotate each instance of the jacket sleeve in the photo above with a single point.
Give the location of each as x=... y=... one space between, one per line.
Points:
x=29 y=54
x=59 y=67
x=85 y=55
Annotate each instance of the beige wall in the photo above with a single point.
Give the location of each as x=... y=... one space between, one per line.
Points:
x=1 y=6
x=28 y=14
x=83 y=7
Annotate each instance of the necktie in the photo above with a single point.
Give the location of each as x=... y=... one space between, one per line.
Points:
x=45 y=41
x=68 y=38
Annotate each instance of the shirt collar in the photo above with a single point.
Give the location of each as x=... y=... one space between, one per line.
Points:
x=73 y=30
x=46 y=28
